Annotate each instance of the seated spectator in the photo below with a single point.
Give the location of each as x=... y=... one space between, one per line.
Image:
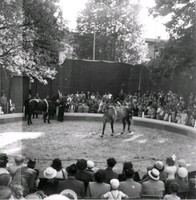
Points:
x=72 y=183
x=151 y=113
x=90 y=166
x=170 y=168
x=181 y=180
x=98 y=188
x=182 y=163
x=83 y=175
x=160 y=113
x=26 y=176
x=70 y=194
x=3 y=164
x=154 y=186
x=57 y=197
x=5 y=179
x=17 y=190
x=48 y=185
x=110 y=174
x=192 y=189
x=161 y=168
x=18 y=163
x=174 y=191
x=115 y=193
x=5 y=193
x=130 y=187
x=57 y=165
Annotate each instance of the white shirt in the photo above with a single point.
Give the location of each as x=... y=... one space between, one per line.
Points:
x=114 y=195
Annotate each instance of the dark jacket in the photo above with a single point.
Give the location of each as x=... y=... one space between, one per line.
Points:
x=110 y=174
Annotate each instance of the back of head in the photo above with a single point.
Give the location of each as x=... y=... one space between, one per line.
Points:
x=31 y=163
x=90 y=164
x=81 y=164
x=3 y=160
x=100 y=176
x=170 y=161
x=129 y=173
x=5 y=179
x=17 y=190
x=159 y=166
x=127 y=165
x=5 y=192
x=174 y=187
x=72 y=170
x=19 y=159
x=192 y=183
x=57 y=164
x=111 y=162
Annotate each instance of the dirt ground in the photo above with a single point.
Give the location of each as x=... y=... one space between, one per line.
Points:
x=71 y=140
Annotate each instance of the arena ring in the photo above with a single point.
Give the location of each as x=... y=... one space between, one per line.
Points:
x=137 y=121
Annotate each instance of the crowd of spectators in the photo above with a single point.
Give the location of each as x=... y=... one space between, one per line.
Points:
x=168 y=106
x=165 y=179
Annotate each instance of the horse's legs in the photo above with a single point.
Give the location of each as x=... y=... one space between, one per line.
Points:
x=104 y=124
x=124 y=125
x=48 y=118
x=129 y=123
x=29 y=122
x=112 y=127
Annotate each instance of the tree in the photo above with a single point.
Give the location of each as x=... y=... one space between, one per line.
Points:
x=179 y=54
x=117 y=31
x=31 y=34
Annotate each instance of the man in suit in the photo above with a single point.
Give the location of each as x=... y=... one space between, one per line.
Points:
x=130 y=187
x=153 y=187
x=72 y=183
x=110 y=174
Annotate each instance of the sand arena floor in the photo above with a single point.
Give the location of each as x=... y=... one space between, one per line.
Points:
x=71 y=140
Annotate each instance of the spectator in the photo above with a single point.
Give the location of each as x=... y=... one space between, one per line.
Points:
x=57 y=197
x=115 y=194
x=57 y=165
x=5 y=179
x=5 y=192
x=83 y=175
x=98 y=188
x=110 y=174
x=161 y=168
x=153 y=187
x=48 y=185
x=130 y=187
x=181 y=180
x=192 y=189
x=174 y=191
x=3 y=163
x=3 y=101
x=26 y=176
x=17 y=190
x=18 y=163
x=90 y=166
x=72 y=183
x=170 y=168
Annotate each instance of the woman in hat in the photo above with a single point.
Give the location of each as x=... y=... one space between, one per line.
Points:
x=48 y=185
x=57 y=165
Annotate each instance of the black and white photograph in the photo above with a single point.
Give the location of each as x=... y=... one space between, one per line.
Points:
x=97 y=99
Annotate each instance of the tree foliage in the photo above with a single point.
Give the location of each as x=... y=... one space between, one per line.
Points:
x=179 y=54
x=117 y=31
x=31 y=34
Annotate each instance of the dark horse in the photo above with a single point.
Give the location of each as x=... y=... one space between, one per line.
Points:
x=112 y=114
x=46 y=106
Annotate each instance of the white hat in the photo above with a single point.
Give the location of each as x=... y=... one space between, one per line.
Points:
x=56 y=197
x=182 y=172
x=114 y=184
x=50 y=173
x=90 y=164
x=154 y=174
x=182 y=163
x=159 y=165
x=70 y=194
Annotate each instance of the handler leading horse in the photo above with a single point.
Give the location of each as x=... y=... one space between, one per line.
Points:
x=112 y=114
x=47 y=106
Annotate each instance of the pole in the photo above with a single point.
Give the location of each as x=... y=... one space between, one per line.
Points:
x=94 y=35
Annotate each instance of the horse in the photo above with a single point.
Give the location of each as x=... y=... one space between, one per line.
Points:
x=46 y=106
x=112 y=114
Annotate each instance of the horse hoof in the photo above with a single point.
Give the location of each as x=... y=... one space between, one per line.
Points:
x=122 y=133
x=112 y=134
x=129 y=131
x=101 y=136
